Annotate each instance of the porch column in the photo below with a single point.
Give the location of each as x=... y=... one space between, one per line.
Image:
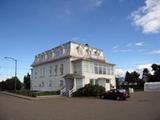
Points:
x=74 y=85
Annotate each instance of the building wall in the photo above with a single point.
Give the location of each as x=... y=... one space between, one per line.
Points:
x=44 y=77
x=87 y=69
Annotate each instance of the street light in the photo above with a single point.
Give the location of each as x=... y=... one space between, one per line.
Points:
x=15 y=69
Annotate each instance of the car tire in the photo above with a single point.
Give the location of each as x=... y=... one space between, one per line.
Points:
x=102 y=97
x=118 y=98
x=124 y=98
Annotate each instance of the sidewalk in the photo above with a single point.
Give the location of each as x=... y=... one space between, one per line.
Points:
x=31 y=98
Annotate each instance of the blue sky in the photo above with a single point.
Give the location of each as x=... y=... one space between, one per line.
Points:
x=128 y=31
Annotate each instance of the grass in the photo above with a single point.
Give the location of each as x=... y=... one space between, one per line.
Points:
x=35 y=94
x=26 y=93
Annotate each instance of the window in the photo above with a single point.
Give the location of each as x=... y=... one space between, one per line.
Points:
x=43 y=71
x=35 y=74
x=104 y=70
x=61 y=52
x=88 y=51
x=50 y=71
x=61 y=83
x=91 y=69
x=96 y=82
x=53 y=54
x=80 y=50
x=91 y=81
x=100 y=69
x=111 y=70
x=96 y=68
x=107 y=81
x=56 y=70
x=86 y=67
x=61 y=69
x=108 y=70
x=42 y=84
x=50 y=83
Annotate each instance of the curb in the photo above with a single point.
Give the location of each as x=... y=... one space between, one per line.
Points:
x=31 y=98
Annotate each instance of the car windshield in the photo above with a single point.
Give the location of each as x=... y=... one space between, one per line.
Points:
x=122 y=90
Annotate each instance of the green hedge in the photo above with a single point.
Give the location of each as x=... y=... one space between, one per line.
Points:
x=89 y=90
x=34 y=94
x=26 y=93
x=48 y=93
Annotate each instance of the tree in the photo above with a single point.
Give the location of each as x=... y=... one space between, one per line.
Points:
x=146 y=76
x=132 y=77
x=27 y=81
x=2 y=85
x=9 y=84
x=156 y=75
x=127 y=77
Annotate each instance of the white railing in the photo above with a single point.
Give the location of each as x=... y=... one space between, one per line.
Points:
x=62 y=91
x=71 y=92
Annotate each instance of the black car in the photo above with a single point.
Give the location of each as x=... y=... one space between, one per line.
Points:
x=118 y=94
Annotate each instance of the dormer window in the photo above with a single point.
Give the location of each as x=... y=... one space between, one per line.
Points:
x=61 y=50
x=97 y=53
x=46 y=56
x=88 y=51
x=52 y=54
x=79 y=50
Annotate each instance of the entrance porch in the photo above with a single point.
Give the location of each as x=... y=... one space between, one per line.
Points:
x=72 y=83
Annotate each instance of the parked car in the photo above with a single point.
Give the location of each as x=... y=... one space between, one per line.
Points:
x=118 y=94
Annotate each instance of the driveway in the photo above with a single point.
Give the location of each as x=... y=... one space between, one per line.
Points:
x=141 y=106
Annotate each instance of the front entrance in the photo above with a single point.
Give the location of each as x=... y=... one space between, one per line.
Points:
x=72 y=83
x=69 y=84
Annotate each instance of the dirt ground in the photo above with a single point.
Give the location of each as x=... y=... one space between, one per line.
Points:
x=141 y=106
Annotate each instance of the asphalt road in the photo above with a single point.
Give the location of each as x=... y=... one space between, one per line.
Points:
x=141 y=106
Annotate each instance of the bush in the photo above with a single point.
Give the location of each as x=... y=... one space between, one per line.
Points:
x=48 y=93
x=89 y=90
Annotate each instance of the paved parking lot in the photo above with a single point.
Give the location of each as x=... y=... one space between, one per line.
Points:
x=141 y=106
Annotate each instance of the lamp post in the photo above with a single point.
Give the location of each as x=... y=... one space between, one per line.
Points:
x=15 y=69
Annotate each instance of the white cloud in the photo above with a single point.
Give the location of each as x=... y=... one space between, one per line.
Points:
x=139 y=68
x=122 y=72
x=148 y=16
x=129 y=45
x=142 y=66
x=155 y=52
x=139 y=44
x=96 y=3
x=115 y=47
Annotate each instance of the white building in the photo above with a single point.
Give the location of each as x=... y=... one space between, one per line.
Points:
x=69 y=67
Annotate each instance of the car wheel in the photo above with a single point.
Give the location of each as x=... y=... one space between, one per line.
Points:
x=118 y=98
x=124 y=98
x=102 y=97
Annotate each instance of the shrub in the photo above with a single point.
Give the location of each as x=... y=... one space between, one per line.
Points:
x=49 y=93
x=89 y=90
